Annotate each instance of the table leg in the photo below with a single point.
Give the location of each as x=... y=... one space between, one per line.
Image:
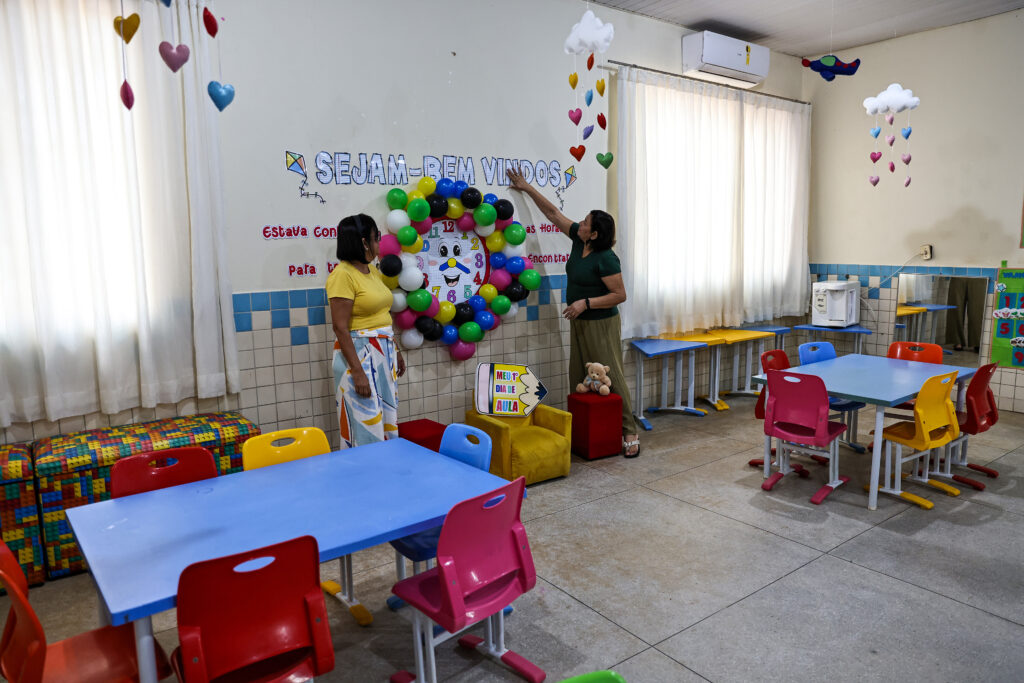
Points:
x=145 y=649
x=935 y=325
x=677 y=395
x=782 y=341
x=735 y=368
x=767 y=452
x=876 y=456
x=858 y=344
x=638 y=402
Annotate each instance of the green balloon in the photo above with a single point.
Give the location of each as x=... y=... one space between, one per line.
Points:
x=419 y=300
x=407 y=235
x=418 y=209
x=397 y=198
x=484 y=214
x=470 y=332
x=501 y=304
x=515 y=233
x=530 y=279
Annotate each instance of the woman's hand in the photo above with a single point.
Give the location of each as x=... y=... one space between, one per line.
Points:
x=574 y=309
x=401 y=364
x=361 y=383
x=517 y=179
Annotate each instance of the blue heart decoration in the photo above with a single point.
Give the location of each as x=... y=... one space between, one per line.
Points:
x=875 y=131
x=167 y=3
x=589 y=97
x=587 y=130
x=906 y=132
x=221 y=94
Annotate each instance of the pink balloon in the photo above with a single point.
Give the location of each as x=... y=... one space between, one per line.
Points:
x=433 y=308
x=462 y=350
x=528 y=264
x=503 y=223
x=465 y=222
x=497 y=321
x=422 y=227
x=405 y=319
x=500 y=278
x=389 y=245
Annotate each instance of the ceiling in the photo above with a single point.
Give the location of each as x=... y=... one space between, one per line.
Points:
x=802 y=27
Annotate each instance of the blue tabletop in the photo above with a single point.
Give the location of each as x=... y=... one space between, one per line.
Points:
x=138 y=546
x=660 y=347
x=874 y=379
x=933 y=307
x=851 y=329
x=774 y=329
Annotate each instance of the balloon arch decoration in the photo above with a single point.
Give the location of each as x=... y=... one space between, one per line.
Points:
x=454 y=260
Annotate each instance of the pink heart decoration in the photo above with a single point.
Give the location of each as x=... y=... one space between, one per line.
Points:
x=127 y=96
x=892 y=167
x=873 y=179
x=890 y=139
x=906 y=159
x=875 y=156
x=906 y=183
x=888 y=119
x=575 y=115
x=174 y=57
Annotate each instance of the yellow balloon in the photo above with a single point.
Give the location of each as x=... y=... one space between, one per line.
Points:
x=414 y=248
x=415 y=194
x=426 y=185
x=446 y=313
x=455 y=208
x=390 y=281
x=496 y=241
x=488 y=292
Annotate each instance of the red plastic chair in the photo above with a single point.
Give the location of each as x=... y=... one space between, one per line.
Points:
x=796 y=414
x=283 y=636
x=921 y=352
x=104 y=655
x=160 y=469
x=981 y=413
x=776 y=359
x=483 y=563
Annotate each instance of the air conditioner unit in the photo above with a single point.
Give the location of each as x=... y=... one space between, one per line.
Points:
x=714 y=57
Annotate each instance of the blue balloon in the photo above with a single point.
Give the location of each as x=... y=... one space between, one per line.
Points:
x=490 y=198
x=485 y=319
x=515 y=265
x=477 y=303
x=498 y=260
x=445 y=187
x=460 y=187
x=450 y=335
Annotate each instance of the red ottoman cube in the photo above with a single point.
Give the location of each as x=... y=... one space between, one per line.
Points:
x=596 y=425
x=426 y=433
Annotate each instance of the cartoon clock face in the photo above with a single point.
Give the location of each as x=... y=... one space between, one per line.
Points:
x=456 y=263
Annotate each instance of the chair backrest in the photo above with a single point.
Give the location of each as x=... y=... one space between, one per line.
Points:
x=239 y=610
x=815 y=352
x=981 y=402
x=776 y=359
x=796 y=400
x=23 y=644
x=483 y=556
x=457 y=443
x=283 y=445
x=935 y=419
x=921 y=352
x=160 y=469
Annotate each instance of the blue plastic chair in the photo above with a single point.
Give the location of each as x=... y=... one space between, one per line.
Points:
x=815 y=352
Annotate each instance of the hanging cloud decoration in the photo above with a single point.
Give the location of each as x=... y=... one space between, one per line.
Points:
x=894 y=98
x=589 y=35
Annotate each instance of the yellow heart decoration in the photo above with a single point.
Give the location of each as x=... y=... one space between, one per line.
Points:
x=600 y=87
x=573 y=79
x=126 y=28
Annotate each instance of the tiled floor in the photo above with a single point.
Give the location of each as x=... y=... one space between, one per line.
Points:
x=676 y=566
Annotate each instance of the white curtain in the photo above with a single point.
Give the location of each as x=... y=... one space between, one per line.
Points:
x=713 y=201
x=114 y=280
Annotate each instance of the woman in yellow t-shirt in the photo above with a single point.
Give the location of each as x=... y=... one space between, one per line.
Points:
x=367 y=363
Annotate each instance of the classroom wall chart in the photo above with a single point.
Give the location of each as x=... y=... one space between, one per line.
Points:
x=1008 y=325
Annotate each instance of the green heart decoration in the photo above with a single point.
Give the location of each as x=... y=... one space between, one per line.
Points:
x=605 y=159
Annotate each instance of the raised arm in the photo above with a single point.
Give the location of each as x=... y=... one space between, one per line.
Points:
x=556 y=217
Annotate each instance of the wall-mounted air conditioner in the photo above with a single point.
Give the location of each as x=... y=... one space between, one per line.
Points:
x=714 y=57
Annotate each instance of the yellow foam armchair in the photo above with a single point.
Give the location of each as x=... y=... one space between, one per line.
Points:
x=535 y=446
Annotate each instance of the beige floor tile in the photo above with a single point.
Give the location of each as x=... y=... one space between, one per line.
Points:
x=652 y=666
x=584 y=484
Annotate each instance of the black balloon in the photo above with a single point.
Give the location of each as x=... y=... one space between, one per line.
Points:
x=464 y=313
x=435 y=331
x=515 y=291
x=390 y=265
x=471 y=198
x=438 y=205
x=423 y=324
x=504 y=209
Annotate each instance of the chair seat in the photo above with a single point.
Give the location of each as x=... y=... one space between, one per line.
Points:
x=106 y=655
x=289 y=667
x=803 y=435
x=419 y=547
x=904 y=433
x=423 y=591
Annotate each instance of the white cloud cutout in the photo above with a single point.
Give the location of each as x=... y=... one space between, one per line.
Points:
x=589 y=35
x=894 y=98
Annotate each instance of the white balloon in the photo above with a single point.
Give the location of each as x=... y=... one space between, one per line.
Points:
x=408 y=260
x=485 y=230
x=511 y=315
x=511 y=250
x=398 y=303
x=397 y=220
x=412 y=339
x=410 y=279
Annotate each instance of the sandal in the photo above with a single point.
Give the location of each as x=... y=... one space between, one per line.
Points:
x=626 y=445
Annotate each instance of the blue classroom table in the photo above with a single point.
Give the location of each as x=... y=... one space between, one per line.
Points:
x=858 y=330
x=653 y=348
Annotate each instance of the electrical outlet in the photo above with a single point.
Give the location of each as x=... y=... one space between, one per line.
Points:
x=926 y=252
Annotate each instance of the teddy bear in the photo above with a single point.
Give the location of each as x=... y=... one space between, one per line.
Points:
x=596 y=380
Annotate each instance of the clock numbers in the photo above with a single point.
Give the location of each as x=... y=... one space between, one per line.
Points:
x=435 y=232
x=449 y=227
x=476 y=278
x=419 y=262
x=479 y=260
x=467 y=292
x=451 y=295
x=436 y=291
x=476 y=245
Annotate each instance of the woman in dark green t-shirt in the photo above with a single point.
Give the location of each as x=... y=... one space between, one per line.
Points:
x=594 y=290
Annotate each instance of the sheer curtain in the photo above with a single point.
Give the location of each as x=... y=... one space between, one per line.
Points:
x=114 y=288
x=713 y=200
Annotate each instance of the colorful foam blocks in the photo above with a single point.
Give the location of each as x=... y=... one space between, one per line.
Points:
x=426 y=433
x=19 y=514
x=596 y=425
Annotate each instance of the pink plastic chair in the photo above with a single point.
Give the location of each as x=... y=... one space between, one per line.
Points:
x=796 y=414
x=483 y=563
x=160 y=469
x=776 y=359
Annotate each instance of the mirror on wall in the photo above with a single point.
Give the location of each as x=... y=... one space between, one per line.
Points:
x=944 y=310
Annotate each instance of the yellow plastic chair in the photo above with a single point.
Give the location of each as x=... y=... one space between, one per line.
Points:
x=286 y=445
x=934 y=425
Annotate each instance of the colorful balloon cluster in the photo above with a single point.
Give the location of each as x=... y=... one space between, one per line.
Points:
x=419 y=313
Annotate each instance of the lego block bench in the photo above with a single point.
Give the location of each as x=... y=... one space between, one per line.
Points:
x=19 y=513
x=74 y=469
